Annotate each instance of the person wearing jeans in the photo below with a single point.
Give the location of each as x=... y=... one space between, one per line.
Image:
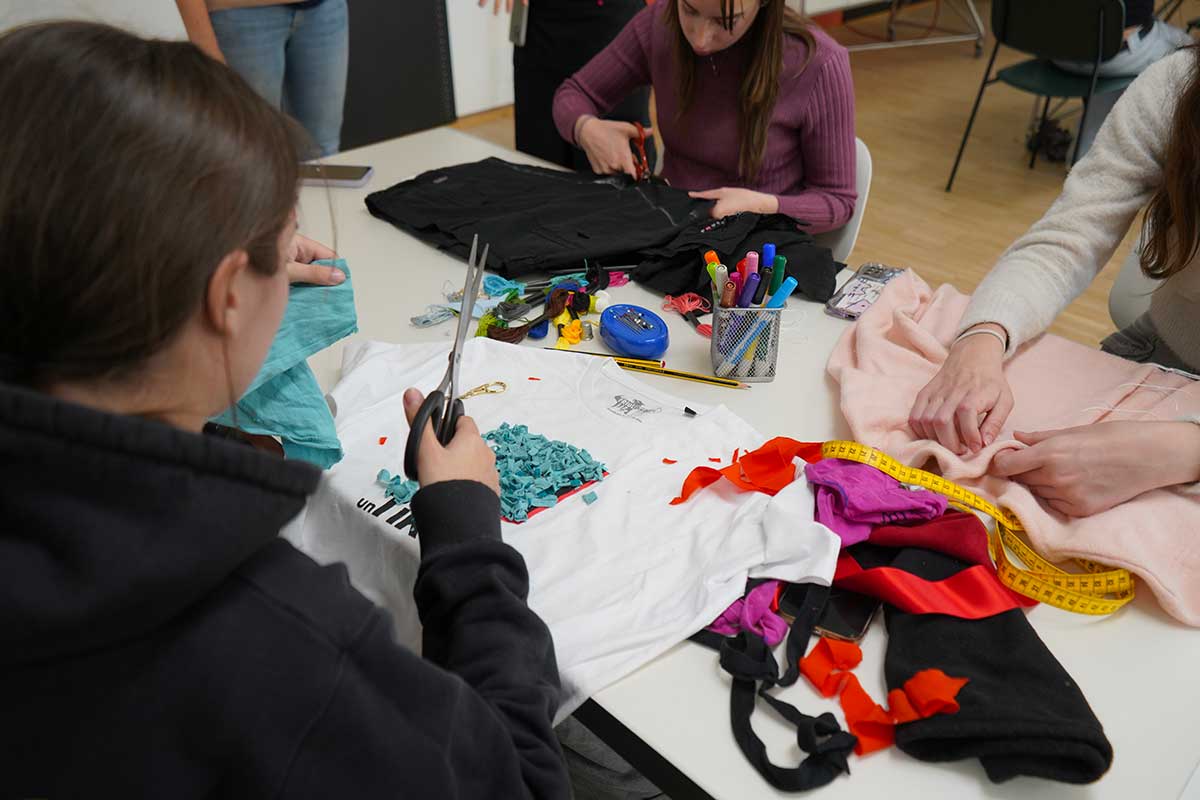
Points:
x=294 y=54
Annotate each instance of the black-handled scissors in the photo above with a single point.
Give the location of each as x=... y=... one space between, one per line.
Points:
x=443 y=407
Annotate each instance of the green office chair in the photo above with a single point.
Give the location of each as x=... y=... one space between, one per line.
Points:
x=1066 y=30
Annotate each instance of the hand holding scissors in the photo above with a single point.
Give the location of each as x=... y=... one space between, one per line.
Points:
x=442 y=409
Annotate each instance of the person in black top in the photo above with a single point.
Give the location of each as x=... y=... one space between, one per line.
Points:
x=1147 y=39
x=157 y=637
x=562 y=36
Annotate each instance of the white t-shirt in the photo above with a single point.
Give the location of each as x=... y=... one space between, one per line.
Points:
x=619 y=581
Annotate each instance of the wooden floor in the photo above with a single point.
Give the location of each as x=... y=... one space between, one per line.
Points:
x=913 y=104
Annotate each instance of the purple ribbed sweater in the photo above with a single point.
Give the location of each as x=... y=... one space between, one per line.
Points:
x=810 y=155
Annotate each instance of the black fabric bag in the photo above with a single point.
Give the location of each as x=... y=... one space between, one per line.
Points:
x=678 y=266
x=537 y=219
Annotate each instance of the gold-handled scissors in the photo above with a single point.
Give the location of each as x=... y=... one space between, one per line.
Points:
x=495 y=387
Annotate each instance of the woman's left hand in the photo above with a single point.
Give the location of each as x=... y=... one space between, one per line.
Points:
x=734 y=201
x=302 y=253
x=1085 y=470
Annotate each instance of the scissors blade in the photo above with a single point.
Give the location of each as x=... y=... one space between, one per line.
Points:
x=474 y=280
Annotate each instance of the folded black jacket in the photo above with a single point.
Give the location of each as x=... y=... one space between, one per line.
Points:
x=678 y=266
x=157 y=638
x=537 y=219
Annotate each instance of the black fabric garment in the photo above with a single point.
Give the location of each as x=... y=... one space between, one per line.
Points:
x=534 y=218
x=561 y=37
x=749 y=661
x=1020 y=714
x=678 y=266
x=157 y=638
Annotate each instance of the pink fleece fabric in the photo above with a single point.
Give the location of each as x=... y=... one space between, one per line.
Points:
x=896 y=347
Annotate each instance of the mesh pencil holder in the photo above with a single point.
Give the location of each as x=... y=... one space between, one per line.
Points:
x=745 y=343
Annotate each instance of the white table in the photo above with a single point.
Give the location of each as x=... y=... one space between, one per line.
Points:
x=678 y=705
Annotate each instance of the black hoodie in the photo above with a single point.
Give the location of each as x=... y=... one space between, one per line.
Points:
x=157 y=638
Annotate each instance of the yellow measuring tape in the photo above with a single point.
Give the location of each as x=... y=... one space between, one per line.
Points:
x=1098 y=591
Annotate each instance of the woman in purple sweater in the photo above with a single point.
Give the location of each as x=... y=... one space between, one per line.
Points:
x=756 y=108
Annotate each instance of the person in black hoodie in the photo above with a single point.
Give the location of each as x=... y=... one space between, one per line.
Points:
x=157 y=637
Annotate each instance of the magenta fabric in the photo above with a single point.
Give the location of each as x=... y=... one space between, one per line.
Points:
x=853 y=498
x=809 y=161
x=753 y=613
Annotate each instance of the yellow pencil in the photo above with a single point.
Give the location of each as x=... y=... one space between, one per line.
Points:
x=645 y=362
x=712 y=380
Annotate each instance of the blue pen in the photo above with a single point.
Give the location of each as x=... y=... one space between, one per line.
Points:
x=785 y=290
x=768 y=256
x=747 y=297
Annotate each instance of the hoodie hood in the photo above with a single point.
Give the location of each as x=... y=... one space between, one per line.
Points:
x=111 y=526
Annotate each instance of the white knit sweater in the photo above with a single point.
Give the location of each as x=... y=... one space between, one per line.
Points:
x=1056 y=260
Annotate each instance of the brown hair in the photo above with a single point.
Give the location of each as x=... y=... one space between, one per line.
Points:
x=1171 y=227
x=760 y=85
x=129 y=169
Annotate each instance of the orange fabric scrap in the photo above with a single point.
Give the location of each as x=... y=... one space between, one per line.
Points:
x=534 y=379
x=929 y=692
x=383 y=440
x=670 y=461
x=768 y=469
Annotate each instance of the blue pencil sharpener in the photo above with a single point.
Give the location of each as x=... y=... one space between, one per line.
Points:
x=634 y=331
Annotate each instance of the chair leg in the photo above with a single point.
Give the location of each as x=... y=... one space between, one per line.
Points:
x=1037 y=134
x=987 y=77
x=1083 y=119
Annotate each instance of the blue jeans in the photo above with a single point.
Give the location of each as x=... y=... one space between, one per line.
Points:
x=1142 y=50
x=295 y=55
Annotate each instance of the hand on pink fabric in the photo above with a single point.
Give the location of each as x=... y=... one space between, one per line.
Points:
x=1085 y=470
x=965 y=405
x=300 y=268
x=734 y=201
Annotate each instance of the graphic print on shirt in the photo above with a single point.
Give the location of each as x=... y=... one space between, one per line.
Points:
x=631 y=408
x=401 y=520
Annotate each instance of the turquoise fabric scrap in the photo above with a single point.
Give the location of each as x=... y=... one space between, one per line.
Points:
x=284 y=399
x=397 y=487
x=590 y=498
x=535 y=471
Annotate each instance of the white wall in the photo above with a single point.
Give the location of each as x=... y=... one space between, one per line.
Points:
x=480 y=54
x=147 y=17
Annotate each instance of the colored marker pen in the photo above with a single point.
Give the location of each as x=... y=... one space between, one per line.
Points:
x=765 y=281
x=711 y=257
x=722 y=275
x=712 y=273
x=785 y=290
x=729 y=295
x=737 y=279
x=768 y=255
x=752 y=282
x=751 y=262
x=741 y=266
x=778 y=274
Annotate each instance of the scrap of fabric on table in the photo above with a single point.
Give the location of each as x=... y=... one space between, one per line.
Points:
x=619 y=581
x=897 y=346
x=284 y=399
x=853 y=498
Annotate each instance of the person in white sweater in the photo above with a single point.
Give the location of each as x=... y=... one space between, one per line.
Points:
x=1147 y=154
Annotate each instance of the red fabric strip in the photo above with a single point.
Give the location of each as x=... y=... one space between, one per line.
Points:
x=768 y=469
x=974 y=593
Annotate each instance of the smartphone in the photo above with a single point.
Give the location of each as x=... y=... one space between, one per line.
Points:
x=346 y=175
x=861 y=291
x=847 y=614
x=519 y=24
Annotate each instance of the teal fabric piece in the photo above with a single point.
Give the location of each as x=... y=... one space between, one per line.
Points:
x=284 y=399
x=397 y=487
x=536 y=471
x=590 y=498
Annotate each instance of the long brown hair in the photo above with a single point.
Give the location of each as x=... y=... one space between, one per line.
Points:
x=760 y=84
x=1171 y=226
x=128 y=169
